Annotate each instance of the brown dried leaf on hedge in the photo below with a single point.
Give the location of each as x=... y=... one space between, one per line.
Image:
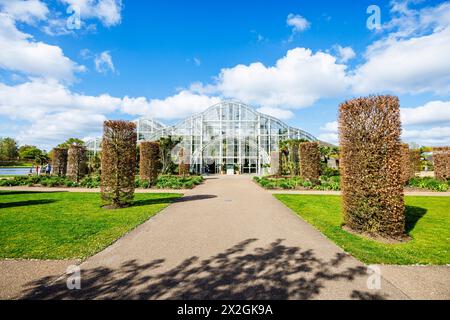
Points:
x=60 y=161
x=76 y=162
x=150 y=162
x=371 y=165
x=441 y=159
x=408 y=171
x=118 y=163
x=183 y=163
x=310 y=161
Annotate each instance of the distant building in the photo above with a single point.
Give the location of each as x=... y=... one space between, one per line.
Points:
x=227 y=135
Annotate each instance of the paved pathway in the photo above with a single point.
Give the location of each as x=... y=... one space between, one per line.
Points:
x=225 y=239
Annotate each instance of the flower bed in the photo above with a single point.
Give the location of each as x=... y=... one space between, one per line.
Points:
x=91 y=182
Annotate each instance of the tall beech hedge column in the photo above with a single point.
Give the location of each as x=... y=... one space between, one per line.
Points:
x=309 y=154
x=441 y=159
x=118 y=163
x=183 y=163
x=407 y=168
x=76 y=162
x=59 y=162
x=371 y=158
x=149 y=161
x=414 y=156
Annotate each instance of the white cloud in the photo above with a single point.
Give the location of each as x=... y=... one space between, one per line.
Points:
x=414 y=65
x=107 y=11
x=38 y=98
x=436 y=136
x=430 y=113
x=330 y=127
x=413 y=58
x=180 y=105
x=19 y=52
x=278 y=113
x=53 y=113
x=345 y=54
x=25 y=11
x=332 y=138
x=104 y=63
x=297 y=22
x=330 y=133
x=297 y=80
x=54 y=128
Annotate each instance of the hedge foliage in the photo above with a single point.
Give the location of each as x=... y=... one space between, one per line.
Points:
x=310 y=161
x=415 y=158
x=183 y=163
x=325 y=183
x=149 y=161
x=59 y=162
x=407 y=168
x=441 y=158
x=371 y=158
x=118 y=163
x=76 y=162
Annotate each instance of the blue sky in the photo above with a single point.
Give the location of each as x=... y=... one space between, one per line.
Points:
x=296 y=60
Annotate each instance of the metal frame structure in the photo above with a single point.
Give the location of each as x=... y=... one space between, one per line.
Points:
x=229 y=134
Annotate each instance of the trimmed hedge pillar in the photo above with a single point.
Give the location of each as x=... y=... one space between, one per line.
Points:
x=118 y=163
x=76 y=162
x=414 y=156
x=407 y=168
x=59 y=162
x=183 y=163
x=310 y=161
x=441 y=159
x=149 y=161
x=372 y=186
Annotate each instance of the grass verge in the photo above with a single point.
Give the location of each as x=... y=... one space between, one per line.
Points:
x=427 y=224
x=63 y=225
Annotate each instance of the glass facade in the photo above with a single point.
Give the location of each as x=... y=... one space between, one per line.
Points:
x=229 y=135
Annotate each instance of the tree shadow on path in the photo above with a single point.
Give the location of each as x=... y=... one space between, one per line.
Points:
x=273 y=272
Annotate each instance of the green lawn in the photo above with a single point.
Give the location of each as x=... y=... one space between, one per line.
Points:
x=63 y=225
x=428 y=223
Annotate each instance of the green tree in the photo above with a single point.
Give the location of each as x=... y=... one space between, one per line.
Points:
x=8 y=149
x=29 y=152
x=41 y=159
x=69 y=142
x=166 y=145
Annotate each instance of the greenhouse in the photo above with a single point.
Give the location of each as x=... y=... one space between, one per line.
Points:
x=227 y=136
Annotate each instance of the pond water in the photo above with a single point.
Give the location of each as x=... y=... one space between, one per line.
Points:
x=14 y=171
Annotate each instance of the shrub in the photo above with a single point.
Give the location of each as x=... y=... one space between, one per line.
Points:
x=118 y=163
x=76 y=162
x=178 y=182
x=183 y=163
x=406 y=165
x=429 y=184
x=149 y=162
x=60 y=162
x=415 y=157
x=372 y=188
x=310 y=161
x=90 y=182
x=441 y=158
